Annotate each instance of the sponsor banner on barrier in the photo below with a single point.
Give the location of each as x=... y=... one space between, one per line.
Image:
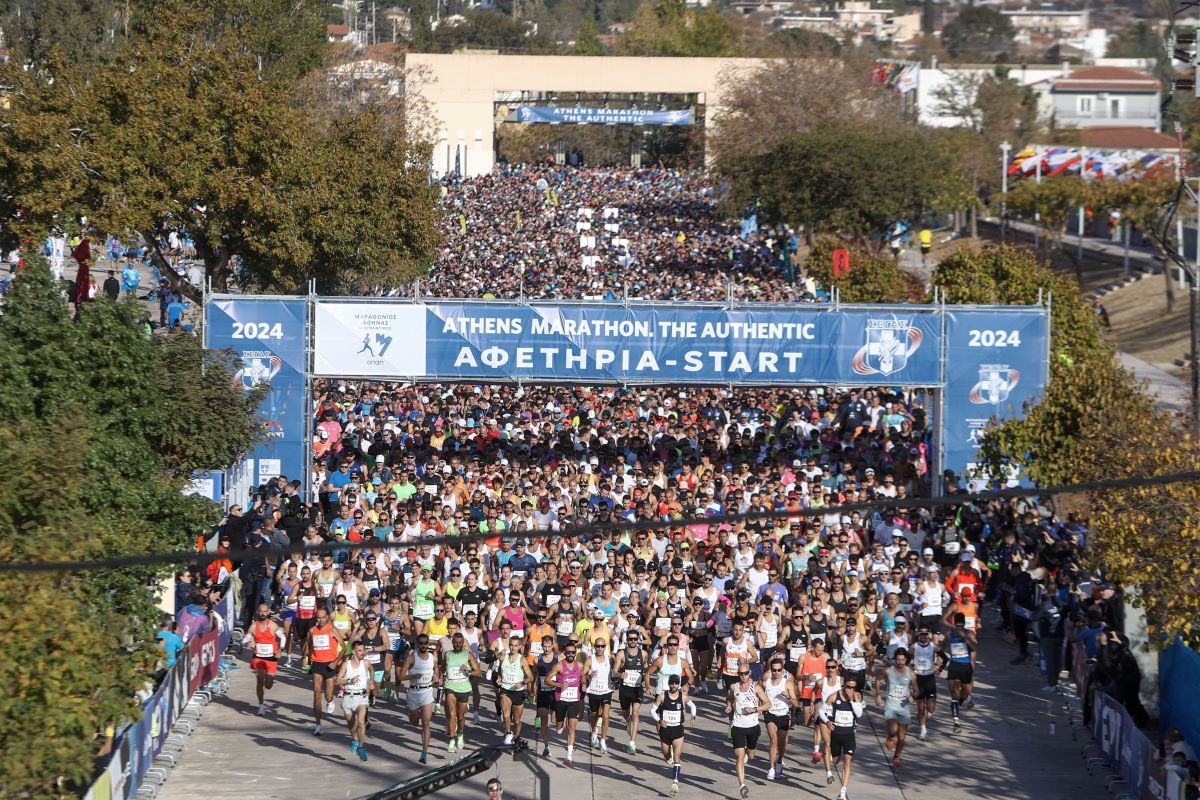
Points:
x=270 y=335
x=898 y=346
x=1129 y=751
x=995 y=364
x=204 y=658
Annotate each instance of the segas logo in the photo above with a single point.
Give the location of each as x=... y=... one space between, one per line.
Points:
x=890 y=343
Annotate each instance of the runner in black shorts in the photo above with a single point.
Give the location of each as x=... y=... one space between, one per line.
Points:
x=630 y=665
x=839 y=716
x=668 y=714
x=545 y=694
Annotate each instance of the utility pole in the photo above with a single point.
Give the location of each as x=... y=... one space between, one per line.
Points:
x=1183 y=47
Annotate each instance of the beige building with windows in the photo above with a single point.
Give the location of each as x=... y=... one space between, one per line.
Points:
x=467 y=92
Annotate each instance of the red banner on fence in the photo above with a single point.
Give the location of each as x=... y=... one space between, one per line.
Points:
x=203 y=660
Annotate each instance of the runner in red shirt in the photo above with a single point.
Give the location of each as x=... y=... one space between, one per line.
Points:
x=267 y=638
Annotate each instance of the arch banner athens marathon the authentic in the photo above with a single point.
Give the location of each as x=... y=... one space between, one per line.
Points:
x=983 y=362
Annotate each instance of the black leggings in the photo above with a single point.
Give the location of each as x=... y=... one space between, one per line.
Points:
x=1021 y=631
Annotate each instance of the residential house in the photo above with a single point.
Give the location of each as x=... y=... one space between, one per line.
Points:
x=1084 y=97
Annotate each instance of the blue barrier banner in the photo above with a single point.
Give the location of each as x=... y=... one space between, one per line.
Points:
x=588 y=115
x=610 y=343
x=995 y=363
x=1128 y=750
x=1178 y=701
x=270 y=335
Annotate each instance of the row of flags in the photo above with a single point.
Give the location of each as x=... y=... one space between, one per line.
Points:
x=896 y=76
x=1090 y=163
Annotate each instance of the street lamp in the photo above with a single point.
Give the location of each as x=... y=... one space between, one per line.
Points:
x=1004 y=148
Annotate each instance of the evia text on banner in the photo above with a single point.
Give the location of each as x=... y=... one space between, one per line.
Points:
x=614 y=344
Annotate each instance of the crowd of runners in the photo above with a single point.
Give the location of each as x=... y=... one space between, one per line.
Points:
x=526 y=620
x=559 y=232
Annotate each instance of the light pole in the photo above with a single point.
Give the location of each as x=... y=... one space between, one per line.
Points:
x=1005 y=147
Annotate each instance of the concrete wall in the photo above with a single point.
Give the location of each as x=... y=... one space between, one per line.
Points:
x=461 y=89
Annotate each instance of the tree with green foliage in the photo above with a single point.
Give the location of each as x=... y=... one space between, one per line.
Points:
x=82 y=31
x=979 y=32
x=1094 y=422
x=855 y=180
x=197 y=124
x=587 y=40
x=489 y=30
x=120 y=420
x=804 y=43
x=670 y=28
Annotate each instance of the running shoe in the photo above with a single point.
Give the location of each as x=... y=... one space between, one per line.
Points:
x=450 y=746
x=970 y=703
x=674 y=788
x=354 y=745
x=546 y=751
x=842 y=794
x=508 y=738
x=329 y=707
x=779 y=769
x=316 y=730
x=603 y=747
x=957 y=726
x=424 y=757
x=262 y=710
x=631 y=748
x=923 y=735
x=771 y=774
x=595 y=740
x=816 y=758
x=890 y=744
x=362 y=754
x=744 y=791
x=895 y=762
x=475 y=717
x=828 y=778
x=462 y=745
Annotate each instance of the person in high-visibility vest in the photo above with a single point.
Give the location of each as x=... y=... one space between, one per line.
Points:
x=926 y=239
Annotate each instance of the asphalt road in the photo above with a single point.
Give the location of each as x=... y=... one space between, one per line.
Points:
x=1005 y=749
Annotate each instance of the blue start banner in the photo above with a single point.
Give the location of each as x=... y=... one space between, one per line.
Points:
x=270 y=335
x=589 y=115
x=996 y=362
x=609 y=343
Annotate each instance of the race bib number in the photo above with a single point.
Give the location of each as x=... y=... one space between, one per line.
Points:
x=320 y=641
x=855 y=663
x=898 y=693
x=535 y=649
x=779 y=707
x=632 y=677
x=512 y=675
x=959 y=650
x=733 y=662
x=565 y=628
x=262 y=650
x=724 y=628
x=747 y=711
x=769 y=638
x=672 y=717
x=843 y=719
x=455 y=674
x=662 y=623
x=374 y=658
x=969 y=623
x=698 y=625
x=342 y=624
x=952 y=548
x=796 y=652
x=424 y=608
x=570 y=694
x=810 y=680
x=599 y=686
x=308 y=602
x=923 y=666
x=552 y=599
